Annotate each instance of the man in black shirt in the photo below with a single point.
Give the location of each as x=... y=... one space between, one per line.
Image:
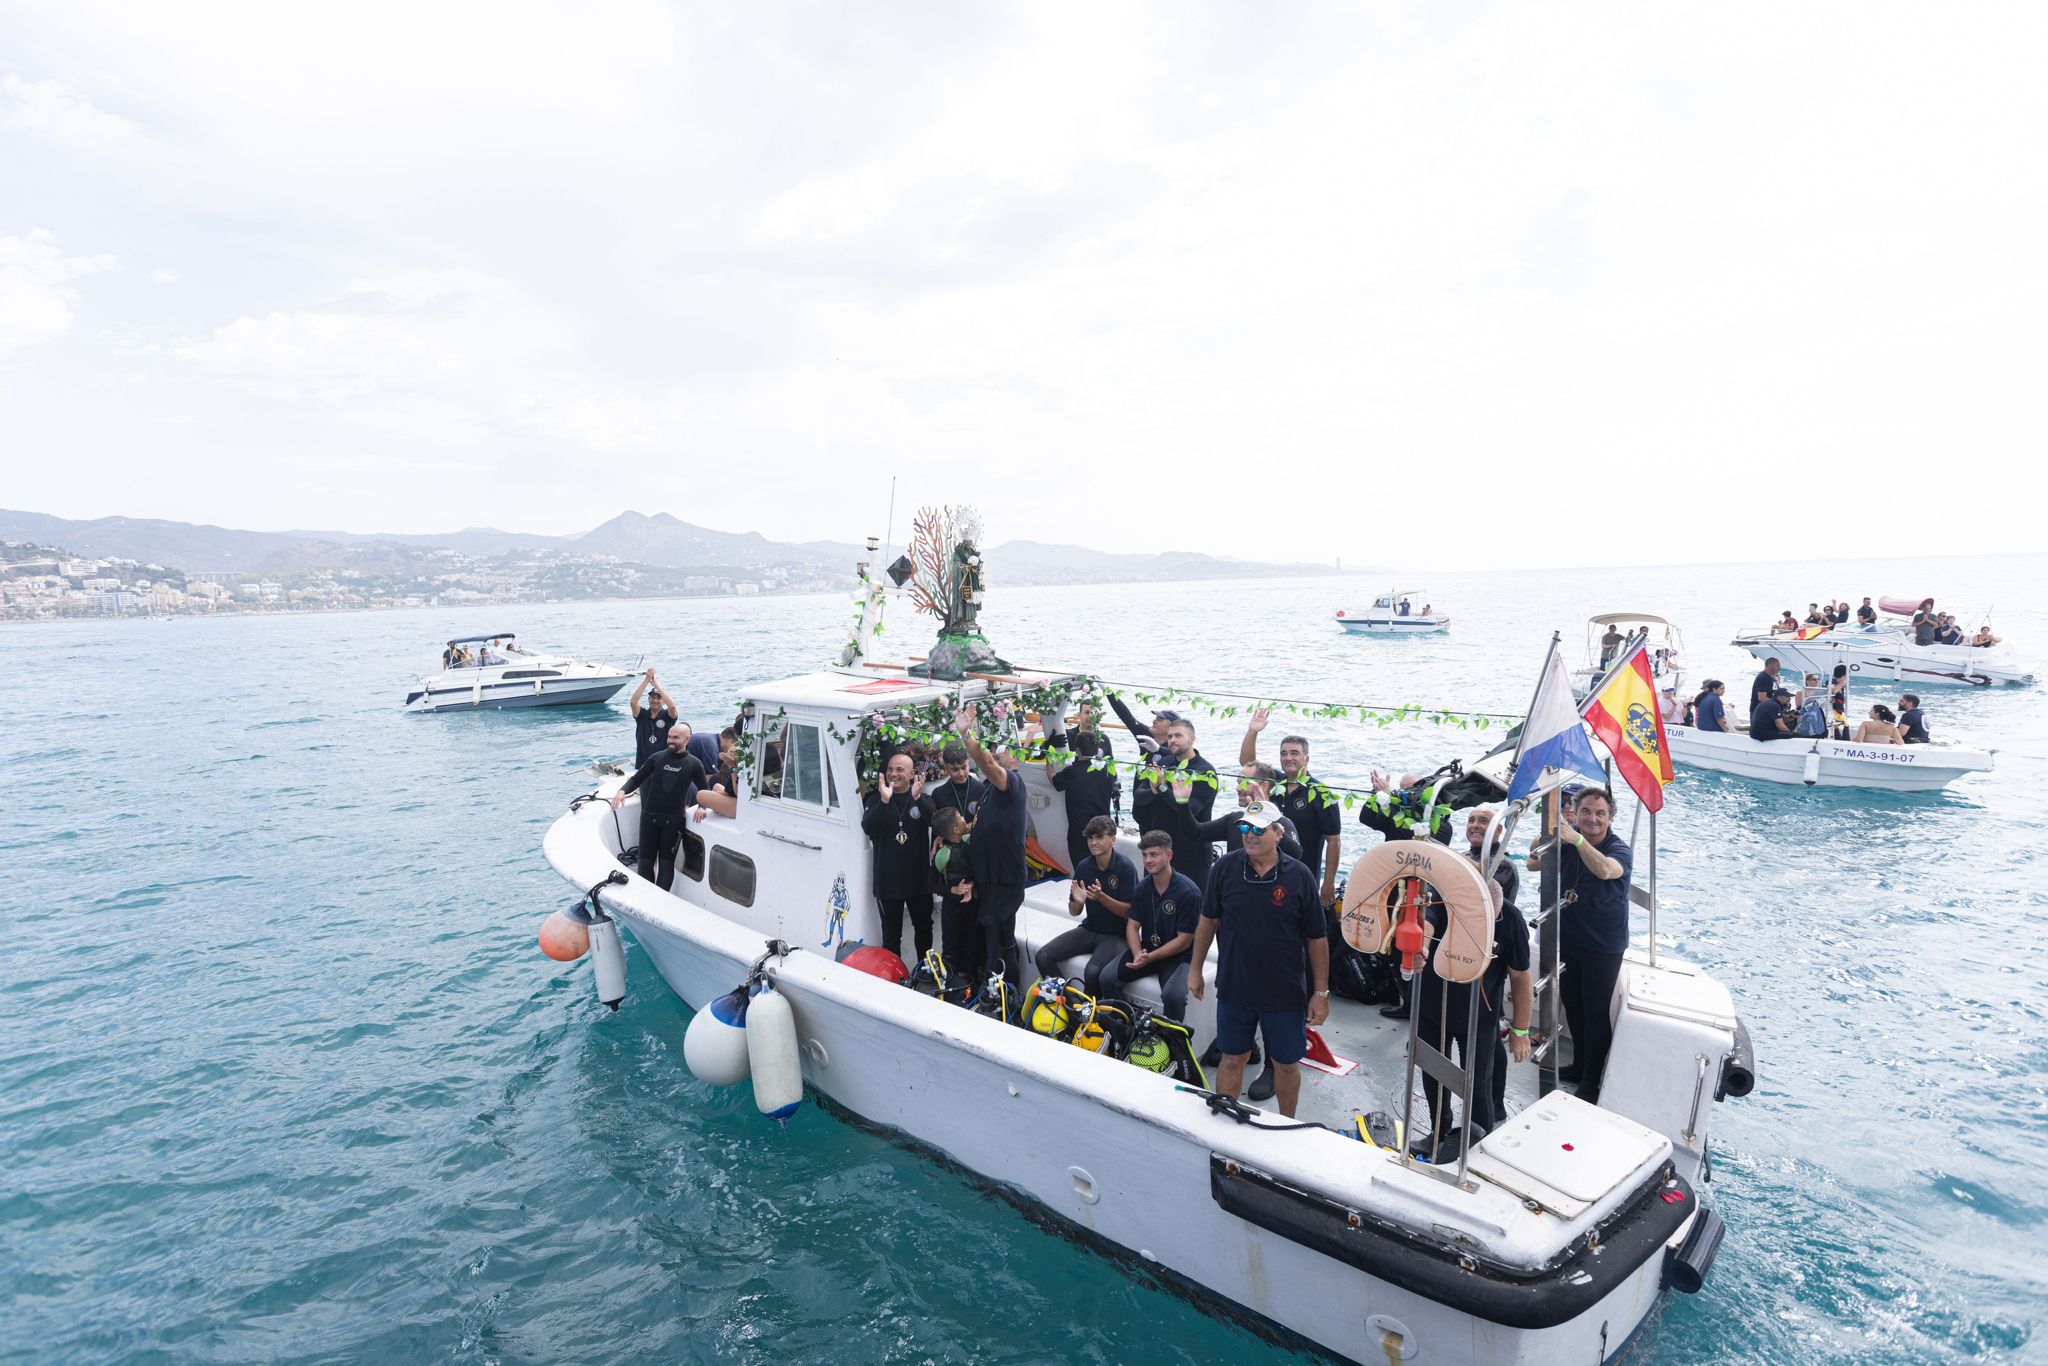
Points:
x=996 y=853
x=1765 y=683
x=667 y=784
x=1085 y=780
x=1317 y=816
x=898 y=824
x=1912 y=723
x=1773 y=718
x=651 y=718
x=1153 y=797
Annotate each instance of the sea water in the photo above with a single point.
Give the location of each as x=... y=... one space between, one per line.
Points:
x=283 y=1075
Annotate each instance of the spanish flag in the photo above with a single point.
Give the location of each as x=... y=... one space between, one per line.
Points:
x=1626 y=717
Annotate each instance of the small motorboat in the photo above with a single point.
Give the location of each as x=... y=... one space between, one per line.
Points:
x=1394 y=613
x=1665 y=644
x=1827 y=763
x=496 y=672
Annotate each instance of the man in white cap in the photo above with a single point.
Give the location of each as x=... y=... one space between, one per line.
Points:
x=1264 y=912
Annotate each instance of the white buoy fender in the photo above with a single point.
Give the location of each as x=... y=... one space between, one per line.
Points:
x=715 y=1044
x=608 y=958
x=771 y=1053
x=1812 y=774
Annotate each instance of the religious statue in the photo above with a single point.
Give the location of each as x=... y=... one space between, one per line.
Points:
x=946 y=581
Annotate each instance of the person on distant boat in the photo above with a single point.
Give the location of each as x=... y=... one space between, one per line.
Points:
x=1317 y=815
x=897 y=821
x=1102 y=889
x=1709 y=709
x=1610 y=646
x=654 y=711
x=1155 y=803
x=1594 y=865
x=1773 y=718
x=1786 y=624
x=1159 y=933
x=1866 y=615
x=996 y=853
x=1878 y=727
x=1926 y=624
x=1765 y=683
x=668 y=784
x=1984 y=640
x=1912 y=723
x=1263 y=911
x=960 y=791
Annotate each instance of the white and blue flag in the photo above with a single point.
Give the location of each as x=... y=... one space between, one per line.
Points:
x=1553 y=738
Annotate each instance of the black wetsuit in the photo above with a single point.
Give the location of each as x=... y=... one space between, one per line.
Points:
x=667 y=784
x=900 y=830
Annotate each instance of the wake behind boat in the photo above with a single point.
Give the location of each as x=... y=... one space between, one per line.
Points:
x=494 y=673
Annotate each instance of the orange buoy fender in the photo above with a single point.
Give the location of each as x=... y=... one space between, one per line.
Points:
x=564 y=938
x=1467 y=944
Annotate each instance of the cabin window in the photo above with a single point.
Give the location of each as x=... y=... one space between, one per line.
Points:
x=732 y=875
x=794 y=766
x=690 y=858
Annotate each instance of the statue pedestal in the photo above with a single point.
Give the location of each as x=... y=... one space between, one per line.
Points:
x=955 y=655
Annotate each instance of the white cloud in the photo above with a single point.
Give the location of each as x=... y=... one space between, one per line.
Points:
x=53 y=109
x=36 y=297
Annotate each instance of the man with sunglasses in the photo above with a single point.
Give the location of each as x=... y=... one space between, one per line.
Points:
x=1263 y=912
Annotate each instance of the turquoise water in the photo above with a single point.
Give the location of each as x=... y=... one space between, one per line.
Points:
x=282 y=1075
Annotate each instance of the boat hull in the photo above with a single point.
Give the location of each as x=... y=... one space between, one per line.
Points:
x=1393 y=626
x=1837 y=763
x=1889 y=659
x=504 y=695
x=1120 y=1154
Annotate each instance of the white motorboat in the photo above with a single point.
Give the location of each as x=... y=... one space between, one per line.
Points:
x=1827 y=763
x=1885 y=653
x=1394 y=613
x=1666 y=645
x=495 y=672
x=1553 y=1247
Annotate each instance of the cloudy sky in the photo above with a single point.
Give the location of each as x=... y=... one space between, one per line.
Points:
x=1561 y=283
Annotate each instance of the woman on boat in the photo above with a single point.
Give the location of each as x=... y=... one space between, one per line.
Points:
x=1709 y=712
x=1879 y=728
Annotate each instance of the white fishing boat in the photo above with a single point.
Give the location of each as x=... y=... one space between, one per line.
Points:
x=495 y=672
x=1665 y=643
x=1394 y=613
x=1827 y=763
x=1550 y=1242
x=1885 y=653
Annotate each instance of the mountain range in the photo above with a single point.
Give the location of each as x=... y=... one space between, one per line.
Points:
x=637 y=538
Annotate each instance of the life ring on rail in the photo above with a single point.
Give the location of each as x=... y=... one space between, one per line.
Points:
x=1467 y=945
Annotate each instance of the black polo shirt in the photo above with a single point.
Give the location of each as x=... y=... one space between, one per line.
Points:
x=1316 y=815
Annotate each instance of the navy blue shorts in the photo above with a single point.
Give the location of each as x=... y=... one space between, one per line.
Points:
x=1286 y=1031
